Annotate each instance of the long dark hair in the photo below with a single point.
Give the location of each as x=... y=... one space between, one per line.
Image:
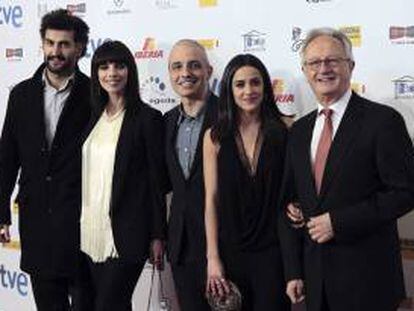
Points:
x=227 y=109
x=117 y=52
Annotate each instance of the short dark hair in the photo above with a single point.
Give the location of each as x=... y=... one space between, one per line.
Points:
x=116 y=52
x=63 y=20
x=227 y=108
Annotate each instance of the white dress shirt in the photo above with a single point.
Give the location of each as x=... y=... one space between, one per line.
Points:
x=338 y=109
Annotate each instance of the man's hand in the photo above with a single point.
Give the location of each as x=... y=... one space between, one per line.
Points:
x=320 y=228
x=4 y=234
x=157 y=254
x=295 y=290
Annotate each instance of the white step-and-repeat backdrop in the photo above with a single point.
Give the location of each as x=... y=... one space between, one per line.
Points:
x=382 y=33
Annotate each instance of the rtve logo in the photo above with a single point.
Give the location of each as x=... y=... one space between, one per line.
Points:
x=14 y=281
x=11 y=15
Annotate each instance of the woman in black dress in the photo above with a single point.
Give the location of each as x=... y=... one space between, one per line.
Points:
x=243 y=167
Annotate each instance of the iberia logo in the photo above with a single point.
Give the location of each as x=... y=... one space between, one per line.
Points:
x=353 y=33
x=279 y=92
x=209 y=44
x=149 y=50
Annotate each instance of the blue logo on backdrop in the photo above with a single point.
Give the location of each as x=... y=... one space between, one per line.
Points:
x=93 y=44
x=11 y=15
x=14 y=281
x=404 y=87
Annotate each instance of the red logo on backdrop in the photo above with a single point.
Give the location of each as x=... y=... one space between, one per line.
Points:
x=149 y=50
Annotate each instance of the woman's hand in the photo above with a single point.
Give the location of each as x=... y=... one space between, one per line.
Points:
x=295 y=215
x=216 y=282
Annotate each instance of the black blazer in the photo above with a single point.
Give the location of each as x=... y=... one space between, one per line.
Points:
x=368 y=183
x=49 y=184
x=137 y=209
x=186 y=222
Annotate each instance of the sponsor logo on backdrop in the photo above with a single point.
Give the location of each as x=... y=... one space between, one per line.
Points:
x=14 y=54
x=149 y=50
x=14 y=280
x=404 y=87
x=209 y=44
x=353 y=33
x=118 y=7
x=207 y=3
x=11 y=15
x=154 y=90
x=93 y=44
x=280 y=94
x=44 y=7
x=78 y=9
x=254 y=41
x=402 y=35
x=297 y=39
x=358 y=87
x=166 y=4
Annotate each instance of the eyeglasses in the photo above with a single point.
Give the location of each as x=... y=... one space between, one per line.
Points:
x=328 y=62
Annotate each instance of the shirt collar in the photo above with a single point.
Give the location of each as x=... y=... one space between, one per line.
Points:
x=68 y=82
x=183 y=115
x=339 y=106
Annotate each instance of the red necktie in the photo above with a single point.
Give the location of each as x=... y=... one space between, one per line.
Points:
x=323 y=148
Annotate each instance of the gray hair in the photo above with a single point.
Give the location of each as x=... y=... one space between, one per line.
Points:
x=330 y=32
x=192 y=43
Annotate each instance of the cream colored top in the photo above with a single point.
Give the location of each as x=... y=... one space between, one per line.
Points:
x=98 y=158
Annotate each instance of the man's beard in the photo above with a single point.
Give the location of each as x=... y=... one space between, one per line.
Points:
x=64 y=69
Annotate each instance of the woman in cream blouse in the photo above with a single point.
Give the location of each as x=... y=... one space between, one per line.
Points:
x=123 y=207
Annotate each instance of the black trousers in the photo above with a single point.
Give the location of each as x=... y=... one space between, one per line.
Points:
x=260 y=279
x=108 y=286
x=52 y=293
x=190 y=285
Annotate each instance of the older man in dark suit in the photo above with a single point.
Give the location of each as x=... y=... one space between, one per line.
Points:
x=190 y=72
x=351 y=168
x=41 y=134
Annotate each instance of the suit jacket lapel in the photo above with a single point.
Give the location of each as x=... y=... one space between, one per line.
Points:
x=172 y=135
x=37 y=106
x=69 y=105
x=306 y=159
x=207 y=122
x=39 y=113
x=345 y=135
x=122 y=154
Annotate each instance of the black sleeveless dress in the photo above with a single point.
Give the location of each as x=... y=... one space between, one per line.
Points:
x=247 y=209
